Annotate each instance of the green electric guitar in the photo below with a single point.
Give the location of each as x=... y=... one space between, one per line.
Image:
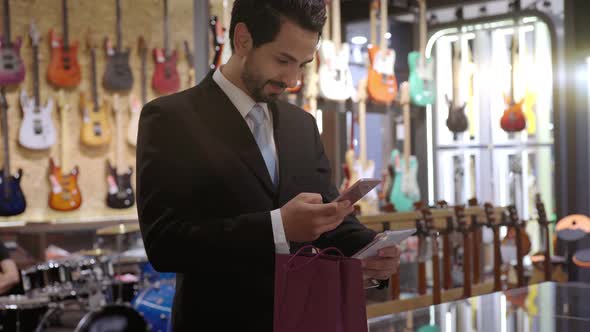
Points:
x=421 y=69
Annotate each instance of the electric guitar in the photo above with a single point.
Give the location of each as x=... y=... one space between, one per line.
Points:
x=335 y=76
x=218 y=41
x=421 y=69
x=135 y=103
x=37 y=131
x=120 y=193
x=118 y=75
x=12 y=199
x=165 y=79
x=96 y=129
x=457 y=120
x=64 y=69
x=12 y=70
x=513 y=120
x=65 y=194
x=405 y=184
x=382 y=81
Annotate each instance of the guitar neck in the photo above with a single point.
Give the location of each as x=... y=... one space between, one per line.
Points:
x=66 y=34
x=327 y=30
x=64 y=137
x=6 y=168
x=373 y=21
x=514 y=64
x=336 y=32
x=36 y=77
x=7 y=22
x=94 y=78
x=422 y=27
x=143 y=78
x=407 y=135
x=456 y=65
x=119 y=34
x=362 y=132
x=119 y=120
x=383 y=41
x=166 y=41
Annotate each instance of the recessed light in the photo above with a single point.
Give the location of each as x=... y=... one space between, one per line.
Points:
x=359 y=40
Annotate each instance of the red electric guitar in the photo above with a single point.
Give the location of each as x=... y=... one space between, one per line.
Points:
x=513 y=120
x=166 y=79
x=64 y=69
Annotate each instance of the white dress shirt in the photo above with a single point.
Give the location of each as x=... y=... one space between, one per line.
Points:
x=244 y=104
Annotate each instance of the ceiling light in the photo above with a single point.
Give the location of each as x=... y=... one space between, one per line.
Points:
x=359 y=40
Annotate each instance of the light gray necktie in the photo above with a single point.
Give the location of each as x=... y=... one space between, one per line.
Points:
x=261 y=135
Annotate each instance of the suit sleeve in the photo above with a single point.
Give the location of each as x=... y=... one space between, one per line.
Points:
x=176 y=237
x=350 y=235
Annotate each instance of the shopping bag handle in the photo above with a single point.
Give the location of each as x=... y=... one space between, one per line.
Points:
x=290 y=266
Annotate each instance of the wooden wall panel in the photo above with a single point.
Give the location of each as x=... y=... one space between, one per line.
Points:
x=139 y=17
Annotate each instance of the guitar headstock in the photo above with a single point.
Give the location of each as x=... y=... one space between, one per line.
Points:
x=512 y=215
x=34 y=34
x=142 y=48
x=428 y=219
x=489 y=212
x=541 y=210
x=442 y=204
x=461 y=219
x=473 y=202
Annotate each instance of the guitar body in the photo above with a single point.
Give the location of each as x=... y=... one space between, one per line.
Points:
x=457 y=120
x=96 y=128
x=134 y=121
x=165 y=79
x=513 y=120
x=12 y=199
x=382 y=81
x=421 y=79
x=405 y=186
x=118 y=75
x=37 y=131
x=64 y=69
x=335 y=76
x=65 y=194
x=120 y=193
x=12 y=70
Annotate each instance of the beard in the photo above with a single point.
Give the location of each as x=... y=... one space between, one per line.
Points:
x=255 y=84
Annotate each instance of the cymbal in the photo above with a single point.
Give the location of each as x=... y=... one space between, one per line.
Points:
x=118 y=229
x=95 y=252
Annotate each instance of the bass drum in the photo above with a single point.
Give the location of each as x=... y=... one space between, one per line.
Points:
x=21 y=313
x=112 y=318
x=155 y=305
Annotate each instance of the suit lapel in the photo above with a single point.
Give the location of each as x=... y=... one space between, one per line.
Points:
x=281 y=143
x=226 y=122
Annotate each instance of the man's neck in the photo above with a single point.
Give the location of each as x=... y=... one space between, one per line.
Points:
x=232 y=73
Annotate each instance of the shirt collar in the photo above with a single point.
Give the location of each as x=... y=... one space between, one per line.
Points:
x=239 y=98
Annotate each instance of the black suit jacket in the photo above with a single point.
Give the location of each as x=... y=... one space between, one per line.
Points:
x=204 y=201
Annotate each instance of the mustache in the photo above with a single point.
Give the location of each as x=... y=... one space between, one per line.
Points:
x=278 y=84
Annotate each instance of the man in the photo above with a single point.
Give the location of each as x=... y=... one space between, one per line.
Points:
x=9 y=275
x=228 y=175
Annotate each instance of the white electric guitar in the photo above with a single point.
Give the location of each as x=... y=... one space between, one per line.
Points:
x=37 y=131
x=335 y=76
x=137 y=104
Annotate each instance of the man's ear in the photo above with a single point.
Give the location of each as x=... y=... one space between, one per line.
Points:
x=242 y=39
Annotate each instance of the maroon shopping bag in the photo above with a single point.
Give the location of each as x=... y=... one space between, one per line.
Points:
x=319 y=292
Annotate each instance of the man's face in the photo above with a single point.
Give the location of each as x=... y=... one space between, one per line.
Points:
x=271 y=68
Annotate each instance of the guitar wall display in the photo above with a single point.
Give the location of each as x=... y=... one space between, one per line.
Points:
x=120 y=194
x=382 y=81
x=135 y=103
x=37 y=131
x=96 y=129
x=421 y=69
x=65 y=194
x=12 y=199
x=64 y=69
x=165 y=79
x=12 y=70
x=118 y=76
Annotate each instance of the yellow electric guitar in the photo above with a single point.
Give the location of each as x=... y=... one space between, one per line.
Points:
x=96 y=127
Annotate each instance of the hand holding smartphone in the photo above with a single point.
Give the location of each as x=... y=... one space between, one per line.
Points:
x=358 y=190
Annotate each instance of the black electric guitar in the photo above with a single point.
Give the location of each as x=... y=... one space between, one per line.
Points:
x=120 y=193
x=12 y=199
x=457 y=120
x=117 y=75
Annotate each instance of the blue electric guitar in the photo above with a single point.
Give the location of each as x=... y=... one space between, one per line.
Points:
x=405 y=184
x=12 y=199
x=421 y=69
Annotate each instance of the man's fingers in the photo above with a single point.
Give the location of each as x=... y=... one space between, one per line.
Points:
x=378 y=263
x=312 y=198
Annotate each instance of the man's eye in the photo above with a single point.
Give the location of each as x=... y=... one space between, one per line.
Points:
x=283 y=61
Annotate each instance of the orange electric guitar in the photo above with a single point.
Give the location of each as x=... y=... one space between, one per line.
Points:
x=64 y=69
x=513 y=120
x=382 y=82
x=65 y=194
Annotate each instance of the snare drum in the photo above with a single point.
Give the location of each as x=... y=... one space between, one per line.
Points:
x=115 y=318
x=21 y=313
x=155 y=305
x=47 y=274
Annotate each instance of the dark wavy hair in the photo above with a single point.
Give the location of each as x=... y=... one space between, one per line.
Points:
x=264 y=17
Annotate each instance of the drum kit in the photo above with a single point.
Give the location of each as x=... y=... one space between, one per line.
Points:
x=93 y=284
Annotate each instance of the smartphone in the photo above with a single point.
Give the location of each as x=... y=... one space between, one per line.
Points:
x=359 y=189
x=382 y=240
